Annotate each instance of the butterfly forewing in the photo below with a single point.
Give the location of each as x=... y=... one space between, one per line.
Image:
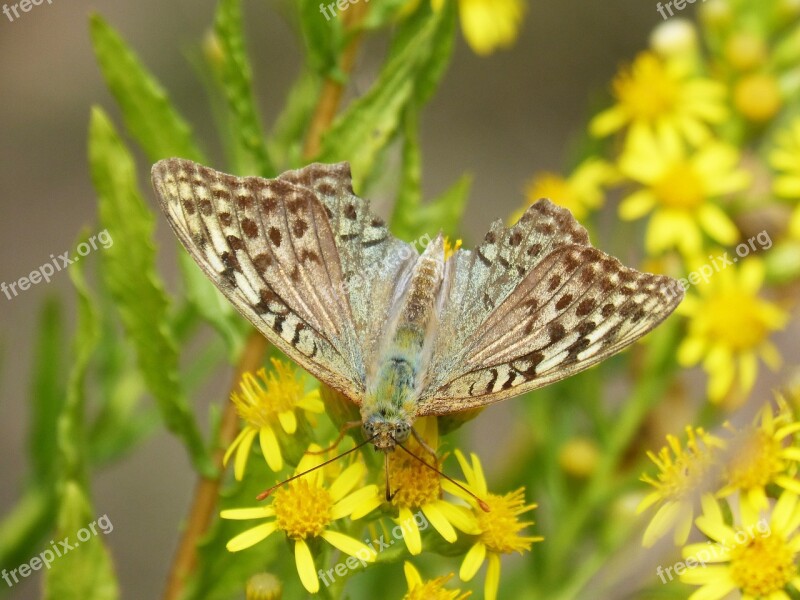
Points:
x=573 y=307
x=270 y=248
x=375 y=264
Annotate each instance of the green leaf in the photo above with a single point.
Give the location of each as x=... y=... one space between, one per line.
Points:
x=285 y=143
x=323 y=37
x=411 y=218
x=85 y=571
x=372 y=121
x=382 y=13
x=130 y=274
x=148 y=113
x=235 y=77
x=47 y=393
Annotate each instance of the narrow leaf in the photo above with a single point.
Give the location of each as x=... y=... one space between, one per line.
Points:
x=130 y=274
x=148 y=113
x=235 y=77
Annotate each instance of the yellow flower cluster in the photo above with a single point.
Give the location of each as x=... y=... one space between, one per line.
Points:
x=325 y=501
x=746 y=485
x=697 y=145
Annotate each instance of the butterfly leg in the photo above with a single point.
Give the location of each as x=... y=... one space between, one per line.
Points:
x=425 y=446
x=342 y=432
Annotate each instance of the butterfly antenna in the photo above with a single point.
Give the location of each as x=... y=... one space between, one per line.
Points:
x=481 y=503
x=266 y=493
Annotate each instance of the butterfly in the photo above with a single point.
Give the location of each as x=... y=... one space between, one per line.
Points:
x=399 y=333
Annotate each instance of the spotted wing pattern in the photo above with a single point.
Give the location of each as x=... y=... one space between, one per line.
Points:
x=533 y=304
x=273 y=247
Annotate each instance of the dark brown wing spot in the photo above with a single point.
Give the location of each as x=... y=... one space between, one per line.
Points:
x=275 y=236
x=188 y=206
x=262 y=262
x=205 y=207
x=563 y=302
x=299 y=228
x=515 y=238
x=235 y=242
x=556 y=332
x=244 y=201
x=326 y=189
x=226 y=219
x=249 y=228
x=535 y=249
x=585 y=307
x=607 y=310
x=554 y=282
x=350 y=212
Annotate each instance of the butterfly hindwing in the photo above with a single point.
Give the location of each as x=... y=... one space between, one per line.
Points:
x=269 y=247
x=574 y=307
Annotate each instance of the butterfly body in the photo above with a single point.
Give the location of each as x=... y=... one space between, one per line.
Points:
x=390 y=403
x=402 y=335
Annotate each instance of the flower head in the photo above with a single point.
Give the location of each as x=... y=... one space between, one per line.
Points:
x=729 y=327
x=499 y=527
x=662 y=98
x=419 y=488
x=679 y=189
x=489 y=25
x=581 y=192
x=306 y=508
x=264 y=404
x=682 y=474
x=761 y=457
x=757 y=557
x=433 y=589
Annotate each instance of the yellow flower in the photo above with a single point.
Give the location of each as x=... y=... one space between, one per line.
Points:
x=489 y=25
x=757 y=97
x=581 y=192
x=678 y=189
x=663 y=98
x=451 y=248
x=263 y=406
x=305 y=509
x=432 y=589
x=761 y=457
x=729 y=327
x=499 y=527
x=785 y=158
x=758 y=557
x=418 y=488
x=682 y=477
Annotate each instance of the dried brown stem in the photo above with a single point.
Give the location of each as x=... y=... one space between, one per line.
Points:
x=207 y=490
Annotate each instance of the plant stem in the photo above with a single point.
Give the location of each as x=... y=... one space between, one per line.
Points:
x=332 y=89
x=207 y=490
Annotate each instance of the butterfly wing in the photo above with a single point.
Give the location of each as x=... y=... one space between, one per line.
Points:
x=274 y=248
x=543 y=305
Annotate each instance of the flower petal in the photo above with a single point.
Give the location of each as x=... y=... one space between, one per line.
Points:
x=257 y=512
x=410 y=532
x=439 y=522
x=348 y=545
x=270 y=448
x=288 y=421
x=243 y=453
x=492 y=577
x=361 y=502
x=251 y=537
x=472 y=561
x=305 y=566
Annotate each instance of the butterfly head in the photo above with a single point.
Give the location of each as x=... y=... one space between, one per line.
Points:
x=386 y=433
